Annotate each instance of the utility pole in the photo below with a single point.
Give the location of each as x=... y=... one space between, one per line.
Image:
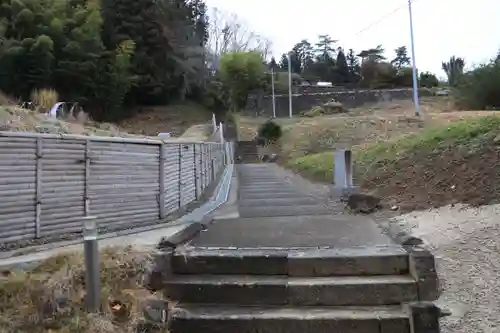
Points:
x=274 y=96
x=416 y=101
x=290 y=112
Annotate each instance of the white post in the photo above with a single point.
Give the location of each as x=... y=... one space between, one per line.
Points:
x=214 y=123
x=274 y=97
x=290 y=113
x=221 y=132
x=414 y=65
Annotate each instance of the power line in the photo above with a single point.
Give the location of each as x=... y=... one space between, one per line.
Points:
x=381 y=19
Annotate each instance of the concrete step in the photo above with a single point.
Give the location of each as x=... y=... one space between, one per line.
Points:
x=284 y=290
x=362 y=261
x=269 y=195
x=219 y=319
x=289 y=210
x=266 y=188
x=273 y=182
x=278 y=202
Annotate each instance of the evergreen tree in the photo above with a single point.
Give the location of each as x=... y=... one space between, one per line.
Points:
x=354 y=66
x=342 y=68
x=402 y=59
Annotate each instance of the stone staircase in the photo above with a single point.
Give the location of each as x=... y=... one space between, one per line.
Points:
x=379 y=289
x=287 y=265
x=247 y=152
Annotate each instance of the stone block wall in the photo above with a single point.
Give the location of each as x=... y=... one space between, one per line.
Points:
x=262 y=105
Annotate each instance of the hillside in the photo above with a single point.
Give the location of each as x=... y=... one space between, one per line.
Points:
x=176 y=119
x=446 y=164
x=442 y=157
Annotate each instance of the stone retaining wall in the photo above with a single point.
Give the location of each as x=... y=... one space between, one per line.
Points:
x=262 y=105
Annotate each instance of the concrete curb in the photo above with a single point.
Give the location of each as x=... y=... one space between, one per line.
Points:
x=220 y=194
x=185 y=235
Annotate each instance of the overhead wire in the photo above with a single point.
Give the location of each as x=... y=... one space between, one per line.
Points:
x=382 y=18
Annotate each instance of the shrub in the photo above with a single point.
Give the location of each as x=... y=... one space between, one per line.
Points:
x=315 y=111
x=270 y=131
x=428 y=80
x=480 y=88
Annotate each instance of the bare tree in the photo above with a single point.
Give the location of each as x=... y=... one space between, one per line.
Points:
x=227 y=33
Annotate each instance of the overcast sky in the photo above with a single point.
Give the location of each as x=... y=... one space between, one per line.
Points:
x=469 y=29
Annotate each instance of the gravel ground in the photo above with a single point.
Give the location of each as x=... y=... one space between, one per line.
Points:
x=466 y=242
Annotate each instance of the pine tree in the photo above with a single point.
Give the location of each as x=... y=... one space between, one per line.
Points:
x=342 y=68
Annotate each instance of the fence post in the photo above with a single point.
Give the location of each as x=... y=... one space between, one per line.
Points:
x=195 y=172
x=180 y=176
x=210 y=162
x=92 y=265
x=214 y=123
x=86 y=199
x=213 y=170
x=205 y=178
x=161 y=177
x=221 y=132
x=38 y=186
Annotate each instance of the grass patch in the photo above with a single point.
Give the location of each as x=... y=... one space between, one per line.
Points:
x=442 y=164
x=317 y=167
x=467 y=132
x=50 y=296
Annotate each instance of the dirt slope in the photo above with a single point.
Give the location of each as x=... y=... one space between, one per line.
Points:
x=443 y=157
x=459 y=163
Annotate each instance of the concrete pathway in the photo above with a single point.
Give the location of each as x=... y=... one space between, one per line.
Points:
x=275 y=212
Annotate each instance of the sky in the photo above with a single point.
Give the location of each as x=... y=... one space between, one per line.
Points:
x=442 y=28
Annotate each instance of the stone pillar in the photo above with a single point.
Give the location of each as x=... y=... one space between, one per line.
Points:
x=422 y=268
x=158 y=270
x=424 y=317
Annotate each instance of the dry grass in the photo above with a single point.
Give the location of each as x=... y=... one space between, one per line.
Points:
x=50 y=296
x=16 y=119
x=176 y=119
x=365 y=125
x=44 y=99
x=442 y=157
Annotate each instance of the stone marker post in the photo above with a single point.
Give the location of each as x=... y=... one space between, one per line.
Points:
x=342 y=172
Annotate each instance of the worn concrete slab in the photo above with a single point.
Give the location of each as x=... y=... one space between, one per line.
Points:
x=286 y=220
x=292 y=209
x=268 y=188
x=276 y=290
x=260 y=182
x=145 y=240
x=230 y=261
x=278 y=202
x=292 y=231
x=224 y=319
x=260 y=189
x=389 y=259
x=266 y=195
